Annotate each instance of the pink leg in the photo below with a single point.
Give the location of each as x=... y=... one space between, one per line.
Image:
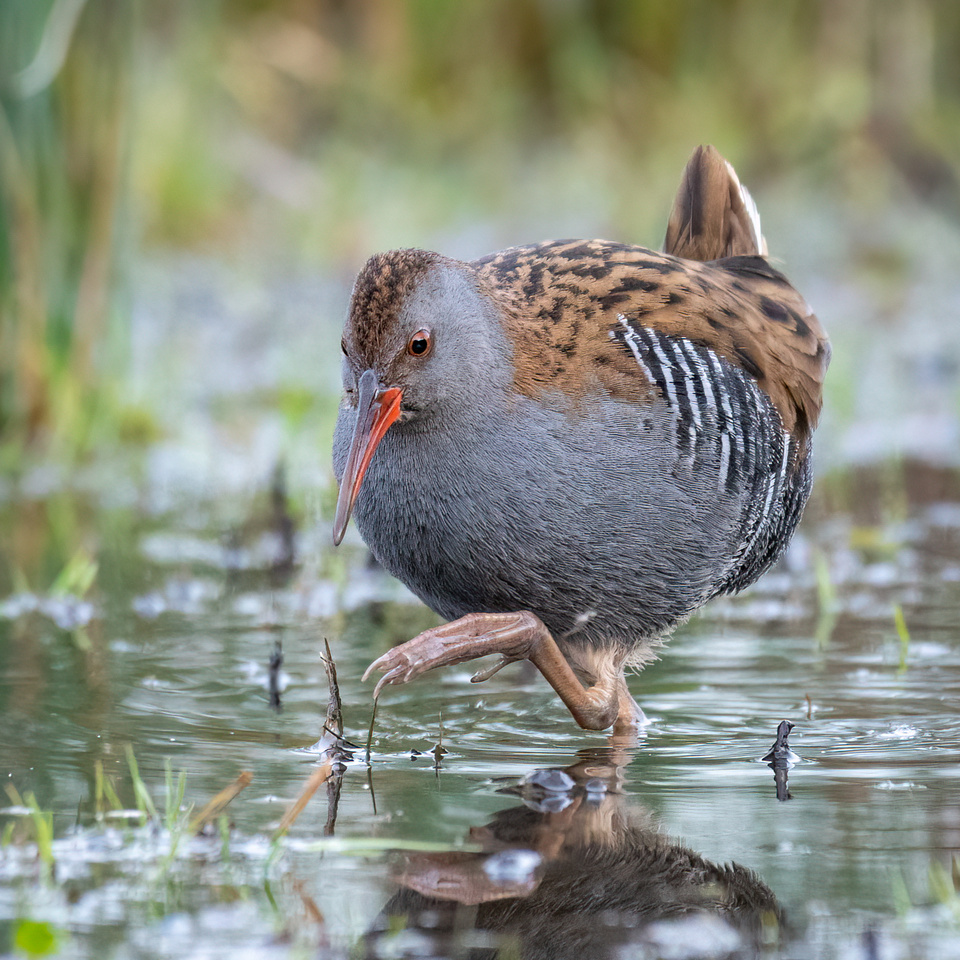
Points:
x=515 y=636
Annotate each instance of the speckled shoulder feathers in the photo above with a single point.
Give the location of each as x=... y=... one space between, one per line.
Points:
x=561 y=299
x=712 y=287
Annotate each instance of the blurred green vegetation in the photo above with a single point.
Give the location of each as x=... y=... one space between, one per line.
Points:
x=65 y=77
x=314 y=131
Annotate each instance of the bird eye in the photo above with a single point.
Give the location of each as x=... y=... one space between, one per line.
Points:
x=420 y=343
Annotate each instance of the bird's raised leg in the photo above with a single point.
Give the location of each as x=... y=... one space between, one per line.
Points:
x=515 y=636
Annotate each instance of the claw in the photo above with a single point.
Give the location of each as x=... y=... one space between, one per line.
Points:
x=381 y=683
x=379 y=664
x=487 y=672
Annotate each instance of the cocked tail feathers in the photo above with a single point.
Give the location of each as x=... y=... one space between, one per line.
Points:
x=714 y=215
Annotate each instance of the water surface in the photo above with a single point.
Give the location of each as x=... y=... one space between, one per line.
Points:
x=175 y=662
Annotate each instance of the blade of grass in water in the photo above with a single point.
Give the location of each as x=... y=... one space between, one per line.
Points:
x=376 y=846
x=145 y=802
x=174 y=796
x=219 y=803
x=904 y=634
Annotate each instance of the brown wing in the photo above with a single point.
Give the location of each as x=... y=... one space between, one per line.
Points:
x=561 y=300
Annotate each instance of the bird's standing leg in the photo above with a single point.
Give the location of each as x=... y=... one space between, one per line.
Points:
x=515 y=636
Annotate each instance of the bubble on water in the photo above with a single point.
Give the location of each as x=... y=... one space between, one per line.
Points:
x=149 y=606
x=68 y=612
x=17 y=605
x=180 y=594
x=596 y=789
x=699 y=935
x=944 y=515
x=509 y=868
x=173 y=547
x=902 y=731
x=554 y=781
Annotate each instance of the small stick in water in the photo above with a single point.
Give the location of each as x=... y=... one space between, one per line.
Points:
x=334 y=720
x=373 y=717
x=781 y=758
x=438 y=751
x=219 y=803
x=314 y=781
x=276 y=662
x=332 y=742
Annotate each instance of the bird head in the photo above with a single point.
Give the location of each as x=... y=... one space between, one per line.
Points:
x=416 y=342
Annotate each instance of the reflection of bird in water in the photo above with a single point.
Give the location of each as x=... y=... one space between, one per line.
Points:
x=573 y=445
x=573 y=872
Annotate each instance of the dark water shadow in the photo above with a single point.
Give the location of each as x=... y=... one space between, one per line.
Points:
x=576 y=869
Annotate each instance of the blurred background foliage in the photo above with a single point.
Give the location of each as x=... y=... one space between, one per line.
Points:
x=307 y=133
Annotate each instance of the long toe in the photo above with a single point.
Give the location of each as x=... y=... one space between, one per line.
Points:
x=512 y=635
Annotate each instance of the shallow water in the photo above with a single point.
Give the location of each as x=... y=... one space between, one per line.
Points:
x=169 y=652
x=174 y=661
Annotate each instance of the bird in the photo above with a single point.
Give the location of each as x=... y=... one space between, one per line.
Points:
x=566 y=448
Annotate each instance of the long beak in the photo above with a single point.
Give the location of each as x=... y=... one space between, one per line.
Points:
x=376 y=410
